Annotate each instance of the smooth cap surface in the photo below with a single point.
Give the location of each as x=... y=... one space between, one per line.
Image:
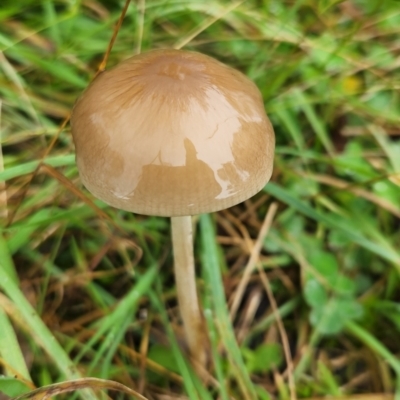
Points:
x=171 y=133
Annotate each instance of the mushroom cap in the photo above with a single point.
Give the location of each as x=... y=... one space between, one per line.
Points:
x=172 y=133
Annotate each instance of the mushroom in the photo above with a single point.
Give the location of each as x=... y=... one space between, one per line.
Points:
x=174 y=133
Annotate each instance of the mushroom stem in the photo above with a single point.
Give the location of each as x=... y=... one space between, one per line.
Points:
x=185 y=279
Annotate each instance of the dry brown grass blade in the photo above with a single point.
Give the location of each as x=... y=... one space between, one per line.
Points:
x=248 y=314
x=49 y=170
x=52 y=172
x=236 y=222
x=264 y=279
x=144 y=348
x=341 y=184
x=233 y=235
x=372 y=396
x=47 y=392
x=151 y=365
x=255 y=253
x=282 y=332
x=103 y=63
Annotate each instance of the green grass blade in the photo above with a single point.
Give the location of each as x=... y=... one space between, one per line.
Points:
x=50 y=16
x=10 y=349
x=315 y=122
x=213 y=334
x=7 y=262
x=27 y=168
x=180 y=360
x=111 y=324
x=288 y=119
x=334 y=222
x=22 y=236
x=214 y=281
x=374 y=344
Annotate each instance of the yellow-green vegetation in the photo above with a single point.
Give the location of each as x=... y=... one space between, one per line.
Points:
x=300 y=285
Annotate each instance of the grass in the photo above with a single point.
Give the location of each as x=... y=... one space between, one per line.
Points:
x=87 y=290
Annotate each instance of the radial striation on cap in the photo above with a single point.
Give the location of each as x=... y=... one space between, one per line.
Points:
x=172 y=133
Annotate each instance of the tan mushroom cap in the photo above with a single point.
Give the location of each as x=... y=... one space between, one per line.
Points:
x=172 y=133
